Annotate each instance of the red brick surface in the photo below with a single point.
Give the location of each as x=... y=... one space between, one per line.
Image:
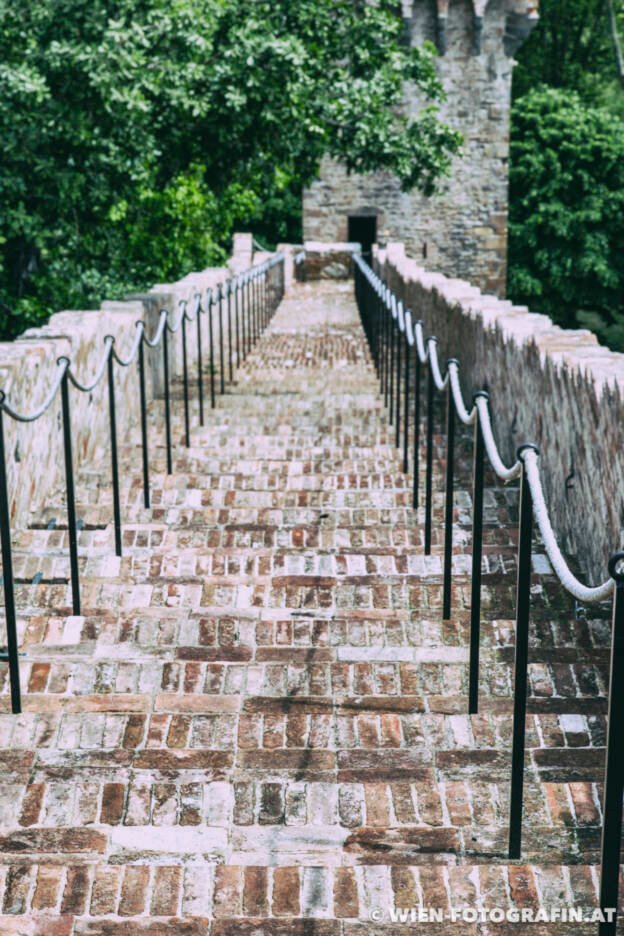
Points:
x=259 y=724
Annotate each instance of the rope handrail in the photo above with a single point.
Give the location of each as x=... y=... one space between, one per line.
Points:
x=528 y=457
x=251 y=301
x=154 y=341
x=386 y=333
x=64 y=363
x=134 y=350
x=540 y=511
x=87 y=388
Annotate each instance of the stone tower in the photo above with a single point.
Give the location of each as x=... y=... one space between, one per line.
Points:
x=463 y=230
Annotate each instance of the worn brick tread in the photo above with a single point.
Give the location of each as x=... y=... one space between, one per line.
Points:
x=258 y=725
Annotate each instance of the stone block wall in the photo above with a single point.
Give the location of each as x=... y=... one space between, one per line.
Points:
x=28 y=365
x=463 y=230
x=329 y=261
x=555 y=387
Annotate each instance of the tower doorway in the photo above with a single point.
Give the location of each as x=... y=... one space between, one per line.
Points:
x=363 y=230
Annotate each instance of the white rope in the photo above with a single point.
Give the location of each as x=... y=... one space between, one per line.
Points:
x=155 y=339
x=506 y=474
x=568 y=580
x=420 y=343
x=427 y=349
x=409 y=330
x=138 y=338
x=87 y=387
x=439 y=381
x=468 y=418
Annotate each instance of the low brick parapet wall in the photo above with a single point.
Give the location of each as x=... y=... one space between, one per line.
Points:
x=558 y=388
x=34 y=451
x=329 y=261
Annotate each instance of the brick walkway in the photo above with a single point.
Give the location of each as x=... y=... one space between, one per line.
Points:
x=258 y=726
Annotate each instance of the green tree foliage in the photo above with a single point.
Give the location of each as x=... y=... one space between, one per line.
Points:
x=137 y=133
x=566 y=174
x=570 y=48
x=566 y=209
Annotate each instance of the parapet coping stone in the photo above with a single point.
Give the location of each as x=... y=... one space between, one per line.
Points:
x=570 y=349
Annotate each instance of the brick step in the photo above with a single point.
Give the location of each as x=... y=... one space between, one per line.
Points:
x=459 y=769
x=307 y=845
x=290 y=631
x=260 y=723
x=212 y=465
x=254 y=900
x=114 y=720
x=422 y=675
x=36 y=550
x=196 y=566
x=93 y=517
x=278 y=493
x=227 y=598
x=141 y=796
x=581 y=676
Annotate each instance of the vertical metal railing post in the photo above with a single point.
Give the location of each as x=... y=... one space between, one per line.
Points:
x=221 y=352
x=185 y=389
x=393 y=329
x=448 y=503
x=254 y=305
x=257 y=304
x=200 y=375
x=397 y=439
x=374 y=316
x=249 y=312
x=406 y=408
x=523 y=608
x=241 y=291
x=70 y=491
x=614 y=766
x=260 y=305
x=388 y=321
x=112 y=414
x=236 y=313
x=379 y=334
x=382 y=341
x=228 y=289
x=417 y=383
x=477 y=558
x=7 y=576
x=429 y=456
x=144 y=436
x=167 y=398
x=210 y=304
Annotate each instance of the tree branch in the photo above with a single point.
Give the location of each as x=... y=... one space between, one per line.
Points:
x=615 y=38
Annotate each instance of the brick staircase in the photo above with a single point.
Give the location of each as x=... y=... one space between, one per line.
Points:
x=258 y=726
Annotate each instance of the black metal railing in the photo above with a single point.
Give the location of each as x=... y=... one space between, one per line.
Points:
x=250 y=300
x=395 y=338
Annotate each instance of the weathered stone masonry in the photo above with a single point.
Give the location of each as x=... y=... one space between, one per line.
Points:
x=558 y=388
x=463 y=230
x=258 y=726
x=28 y=365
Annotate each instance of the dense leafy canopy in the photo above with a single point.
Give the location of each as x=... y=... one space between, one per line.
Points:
x=138 y=133
x=571 y=48
x=567 y=205
x=566 y=233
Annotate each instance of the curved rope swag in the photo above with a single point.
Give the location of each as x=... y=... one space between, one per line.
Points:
x=397 y=344
x=249 y=298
